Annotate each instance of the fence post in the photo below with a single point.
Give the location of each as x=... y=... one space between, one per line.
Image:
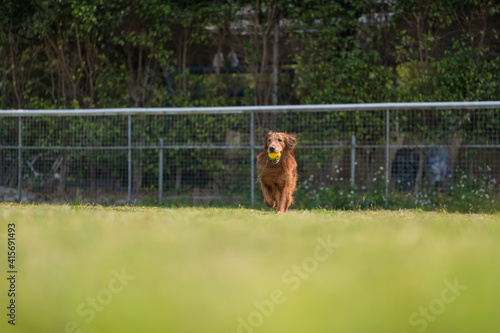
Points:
x=20 y=155
x=129 y=182
x=252 y=156
x=387 y=157
x=353 y=160
x=160 y=172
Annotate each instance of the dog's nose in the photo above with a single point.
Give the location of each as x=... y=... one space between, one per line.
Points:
x=272 y=149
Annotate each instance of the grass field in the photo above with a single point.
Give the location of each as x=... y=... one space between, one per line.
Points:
x=129 y=269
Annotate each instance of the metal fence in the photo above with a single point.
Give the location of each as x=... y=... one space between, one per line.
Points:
x=392 y=154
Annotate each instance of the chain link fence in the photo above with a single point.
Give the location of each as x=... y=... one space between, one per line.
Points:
x=429 y=155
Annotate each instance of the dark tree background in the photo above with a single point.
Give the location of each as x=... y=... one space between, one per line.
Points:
x=97 y=53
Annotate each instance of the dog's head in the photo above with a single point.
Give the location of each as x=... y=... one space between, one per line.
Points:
x=283 y=143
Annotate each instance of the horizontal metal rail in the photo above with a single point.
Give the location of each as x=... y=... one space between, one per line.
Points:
x=248 y=147
x=125 y=147
x=253 y=109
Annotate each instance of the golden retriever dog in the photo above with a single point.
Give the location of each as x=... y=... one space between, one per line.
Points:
x=278 y=176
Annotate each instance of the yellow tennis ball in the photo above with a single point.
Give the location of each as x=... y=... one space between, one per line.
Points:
x=274 y=156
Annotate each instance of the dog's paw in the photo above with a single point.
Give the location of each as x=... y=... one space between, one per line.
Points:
x=270 y=203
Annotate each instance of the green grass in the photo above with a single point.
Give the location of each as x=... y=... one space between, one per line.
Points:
x=204 y=270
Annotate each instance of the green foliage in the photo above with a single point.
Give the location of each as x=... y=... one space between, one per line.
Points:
x=465 y=194
x=98 y=53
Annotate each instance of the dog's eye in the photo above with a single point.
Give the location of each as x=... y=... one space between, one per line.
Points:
x=279 y=140
x=269 y=140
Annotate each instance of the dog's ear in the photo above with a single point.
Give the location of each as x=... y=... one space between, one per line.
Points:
x=265 y=138
x=291 y=141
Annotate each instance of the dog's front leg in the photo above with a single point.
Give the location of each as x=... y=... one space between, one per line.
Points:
x=268 y=198
x=282 y=207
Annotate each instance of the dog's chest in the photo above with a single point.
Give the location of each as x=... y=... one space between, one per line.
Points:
x=274 y=176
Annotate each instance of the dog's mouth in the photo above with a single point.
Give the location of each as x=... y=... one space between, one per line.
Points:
x=274 y=156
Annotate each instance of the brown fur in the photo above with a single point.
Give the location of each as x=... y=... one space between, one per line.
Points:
x=279 y=179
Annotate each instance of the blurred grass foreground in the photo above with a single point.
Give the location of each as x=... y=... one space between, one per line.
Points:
x=129 y=269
